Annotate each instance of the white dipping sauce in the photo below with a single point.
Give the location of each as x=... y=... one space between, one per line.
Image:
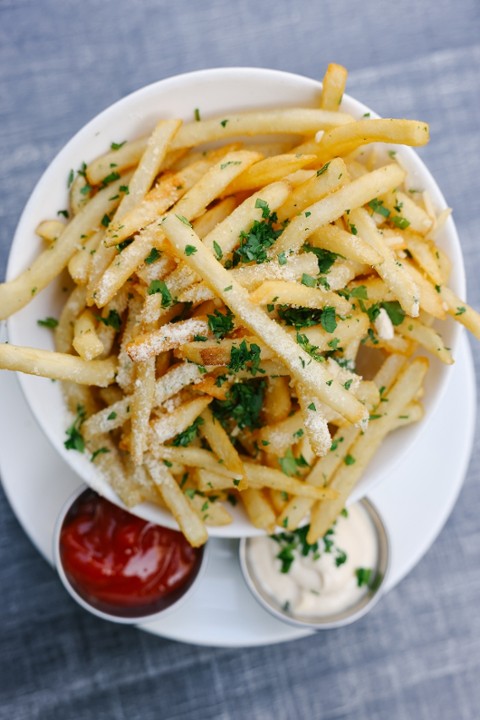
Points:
x=315 y=585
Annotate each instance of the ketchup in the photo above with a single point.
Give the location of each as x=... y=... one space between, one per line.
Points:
x=121 y=563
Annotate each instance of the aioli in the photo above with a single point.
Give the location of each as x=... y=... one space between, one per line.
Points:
x=315 y=585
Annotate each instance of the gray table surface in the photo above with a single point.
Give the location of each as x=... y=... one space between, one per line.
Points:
x=418 y=655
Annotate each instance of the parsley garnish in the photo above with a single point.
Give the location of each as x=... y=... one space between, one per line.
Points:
x=75 y=440
x=242 y=405
x=349 y=459
x=223 y=123
x=325 y=258
x=260 y=237
x=187 y=436
x=290 y=464
x=329 y=321
x=363 y=576
x=184 y=220
x=196 y=115
x=400 y=222
x=159 y=286
x=323 y=169
x=113 y=320
x=220 y=324
x=153 y=255
x=190 y=250
x=105 y=220
x=110 y=178
x=242 y=355
x=112 y=415
x=117 y=146
x=217 y=250
x=99 y=451
x=299 y=317
x=377 y=206
x=49 y=322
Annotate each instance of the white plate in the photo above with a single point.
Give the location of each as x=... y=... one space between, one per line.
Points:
x=414 y=501
x=214 y=92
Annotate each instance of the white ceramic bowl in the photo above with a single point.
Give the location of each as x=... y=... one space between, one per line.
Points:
x=214 y=92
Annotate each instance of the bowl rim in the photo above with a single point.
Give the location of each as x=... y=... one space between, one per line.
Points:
x=213 y=76
x=103 y=614
x=343 y=617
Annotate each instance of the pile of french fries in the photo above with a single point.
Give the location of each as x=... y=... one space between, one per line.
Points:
x=244 y=318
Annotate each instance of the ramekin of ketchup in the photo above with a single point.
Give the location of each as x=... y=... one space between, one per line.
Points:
x=119 y=566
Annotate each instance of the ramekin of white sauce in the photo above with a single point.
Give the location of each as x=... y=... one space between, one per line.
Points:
x=329 y=584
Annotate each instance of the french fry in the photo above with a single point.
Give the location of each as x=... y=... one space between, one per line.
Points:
x=221 y=445
x=325 y=180
x=186 y=515
x=269 y=170
x=171 y=424
x=17 y=293
x=258 y=509
x=343 y=140
x=333 y=87
x=299 y=121
x=50 y=230
x=123 y=158
x=141 y=408
x=85 y=339
x=57 y=366
x=292 y=293
x=333 y=206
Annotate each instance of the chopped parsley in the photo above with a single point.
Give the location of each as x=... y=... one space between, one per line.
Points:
x=223 y=123
x=290 y=464
x=461 y=310
x=188 y=435
x=196 y=115
x=243 y=356
x=242 y=405
x=363 y=575
x=64 y=213
x=261 y=236
x=378 y=207
x=329 y=320
x=113 y=320
x=75 y=439
x=323 y=169
x=117 y=146
x=160 y=286
x=325 y=258
x=220 y=324
x=153 y=255
x=295 y=542
x=400 y=222
x=99 y=451
x=49 y=322
x=305 y=343
x=105 y=220
x=190 y=250
x=110 y=178
x=184 y=220
x=112 y=415
x=349 y=459
x=71 y=176
x=299 y=317
x=217 y=250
